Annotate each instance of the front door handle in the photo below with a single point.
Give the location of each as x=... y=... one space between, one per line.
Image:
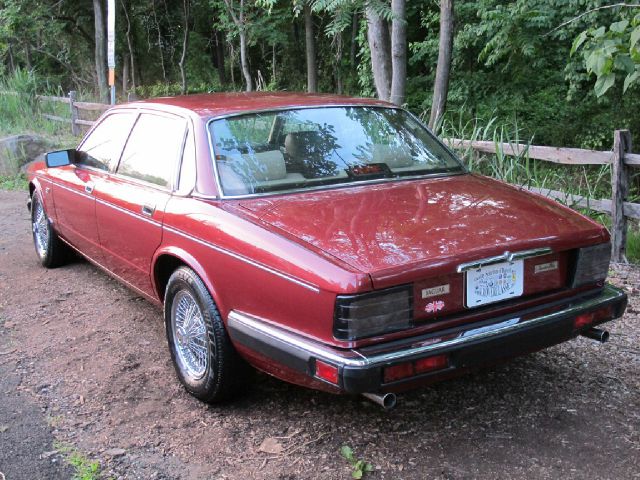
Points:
x=88 y=187
x=148 y=209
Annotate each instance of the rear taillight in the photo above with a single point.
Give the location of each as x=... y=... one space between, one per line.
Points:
x=418 y=367
x=374 y=313
x=327 y=372
x=592 y=265
x=597 y=316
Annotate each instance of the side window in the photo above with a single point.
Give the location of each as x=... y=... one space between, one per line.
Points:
x=103 y=146
x=152 y=150
x=188 y=169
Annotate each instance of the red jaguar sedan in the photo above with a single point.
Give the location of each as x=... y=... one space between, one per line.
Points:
x=332 y=242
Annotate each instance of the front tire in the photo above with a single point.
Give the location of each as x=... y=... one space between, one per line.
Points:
x=206 y=362
x=51 y=251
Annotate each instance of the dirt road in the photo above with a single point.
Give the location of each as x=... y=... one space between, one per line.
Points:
x=93 y=356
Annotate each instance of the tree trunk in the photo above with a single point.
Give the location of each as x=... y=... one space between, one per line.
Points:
x=310 y=44
x=132 y=63
x=398 y=52
x=101 y=50
x=244 y=61
x=220 y=58
x=125 y=76
x=380 y=46
x=186 y=4
x=242 y=28
x=160 y=44
x=441 y=85
x=355 y=23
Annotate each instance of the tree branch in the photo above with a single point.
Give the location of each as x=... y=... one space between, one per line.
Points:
x=621 y=5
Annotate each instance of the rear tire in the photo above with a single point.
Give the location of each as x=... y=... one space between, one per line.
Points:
x=51 y=251
x=206 y=362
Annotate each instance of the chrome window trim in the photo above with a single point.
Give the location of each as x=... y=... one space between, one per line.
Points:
x=221 y=194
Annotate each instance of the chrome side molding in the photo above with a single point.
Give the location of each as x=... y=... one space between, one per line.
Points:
x=505 y=257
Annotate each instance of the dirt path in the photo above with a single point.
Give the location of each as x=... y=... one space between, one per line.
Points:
x=94 y=356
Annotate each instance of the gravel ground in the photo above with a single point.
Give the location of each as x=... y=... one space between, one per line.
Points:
x=91 y=358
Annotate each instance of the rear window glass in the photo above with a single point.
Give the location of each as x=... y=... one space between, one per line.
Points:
x=303 y=148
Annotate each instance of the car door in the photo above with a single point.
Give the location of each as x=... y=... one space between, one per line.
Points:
x=131 y=200
x=74 y=185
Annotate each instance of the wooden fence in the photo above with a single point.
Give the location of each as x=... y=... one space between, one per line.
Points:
x=621 y=160
x=74 y=108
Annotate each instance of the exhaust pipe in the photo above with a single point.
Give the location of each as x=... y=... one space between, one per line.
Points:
x=596 y=334
x=385 y=400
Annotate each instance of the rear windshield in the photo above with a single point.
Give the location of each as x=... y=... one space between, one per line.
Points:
x=269 y=152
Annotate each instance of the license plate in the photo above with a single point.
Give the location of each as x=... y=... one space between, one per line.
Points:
x=493 y=283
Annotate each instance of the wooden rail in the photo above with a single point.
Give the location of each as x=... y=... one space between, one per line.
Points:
x=74 y=107
x=620 y=158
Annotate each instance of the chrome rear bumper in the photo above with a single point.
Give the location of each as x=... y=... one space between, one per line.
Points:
x=476 y=344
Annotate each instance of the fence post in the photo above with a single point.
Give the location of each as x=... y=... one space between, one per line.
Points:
x=75 y=130
x=620 y=191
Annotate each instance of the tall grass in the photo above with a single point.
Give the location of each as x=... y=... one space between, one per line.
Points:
x=22 y=112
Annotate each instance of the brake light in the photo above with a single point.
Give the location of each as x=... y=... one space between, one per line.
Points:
x=432 y=363
x=398 y=372
x=327 y=372
x=600 y=315
x=410 y=369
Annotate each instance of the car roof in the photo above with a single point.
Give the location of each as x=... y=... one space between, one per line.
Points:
x=221 y=104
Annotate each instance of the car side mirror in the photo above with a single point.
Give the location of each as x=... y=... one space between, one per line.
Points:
x=60 y=158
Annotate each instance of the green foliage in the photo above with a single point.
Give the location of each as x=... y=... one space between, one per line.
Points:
x=358 y=466
x=633 y=244
x=18 y=182
x=611 y=53
x=84 y=469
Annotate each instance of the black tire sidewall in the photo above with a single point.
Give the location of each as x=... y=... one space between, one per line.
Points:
x=208 y=386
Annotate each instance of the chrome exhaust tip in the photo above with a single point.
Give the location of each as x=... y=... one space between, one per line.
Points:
x=387 y=401
x=596 y=334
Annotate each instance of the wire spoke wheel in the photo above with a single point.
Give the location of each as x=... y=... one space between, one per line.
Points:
x=190 y=335
x=40 y=229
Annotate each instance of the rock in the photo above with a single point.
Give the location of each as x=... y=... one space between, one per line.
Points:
x=271 y=445
x=115 y=452
x=24 y=168
x=17 y=150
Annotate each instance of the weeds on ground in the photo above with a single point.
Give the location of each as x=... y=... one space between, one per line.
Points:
x=84 y=469
x=358 y=466
x=18 y=182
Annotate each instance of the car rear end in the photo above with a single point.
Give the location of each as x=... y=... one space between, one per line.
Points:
x=428 y=330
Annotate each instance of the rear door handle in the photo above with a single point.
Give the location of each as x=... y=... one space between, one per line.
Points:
x=88 y=187
x=148 y=209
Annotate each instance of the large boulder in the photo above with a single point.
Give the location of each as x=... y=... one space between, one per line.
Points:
x=18 y=150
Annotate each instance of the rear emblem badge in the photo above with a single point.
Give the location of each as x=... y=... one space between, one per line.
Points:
x=434 y=306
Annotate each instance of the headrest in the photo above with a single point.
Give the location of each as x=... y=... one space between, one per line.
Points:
x=300 y=145
x=395 y=156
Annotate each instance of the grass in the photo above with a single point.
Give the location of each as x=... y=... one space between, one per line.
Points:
x=22 y=112
x=18 y=182
x=633 y=245
x=84 y=469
